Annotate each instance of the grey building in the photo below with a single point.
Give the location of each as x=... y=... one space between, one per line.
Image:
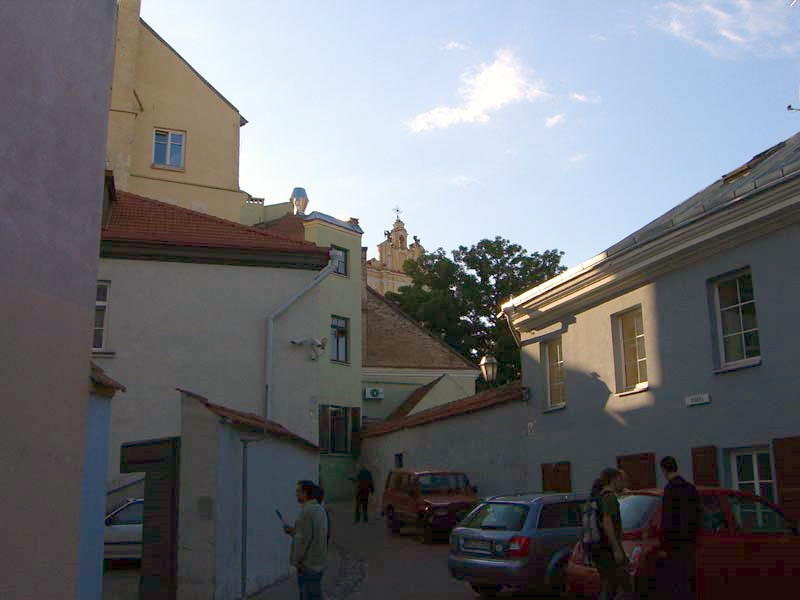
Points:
x=677 y=340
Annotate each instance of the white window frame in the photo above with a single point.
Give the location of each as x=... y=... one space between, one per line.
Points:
x=623 y=385
x=336 y=340
x=722 y=359
x=170 y=144
x=547 y=348
x=326 y=446
x=337 y=251
x=758 y=483
x=104 y=305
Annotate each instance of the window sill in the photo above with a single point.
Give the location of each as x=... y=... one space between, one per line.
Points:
x=103 y=354
x=741 y=364
x=168 y=168
x=642 y=387
x=340 y=363
x=555 y=408
x=343 y=275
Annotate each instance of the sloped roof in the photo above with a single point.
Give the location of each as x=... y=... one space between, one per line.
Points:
x=414 y=399
x=762 y=170
x=290 y=226
x=138 y=219
x=102 y=383
x=412 y=346
x=250 y=421
x=492 y=397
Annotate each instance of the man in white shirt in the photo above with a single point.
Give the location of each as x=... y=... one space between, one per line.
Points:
x=309 y=542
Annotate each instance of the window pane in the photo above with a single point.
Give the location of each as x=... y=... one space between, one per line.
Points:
x=160 y=154
x=635 y=510
x=764 y=466
x=132 y=515
x=98 y=338
x=728 y=293
x=628 y=327
x=751 y=345
x=713 y=515
x=733 y=348
x=640 y=347
x=631 y=373
x=749 y=316
x=162 y=137
x=176 y=156
x=730 y=321
x=766 y=491
x=745 y=287
x=102 y=292
x=744 y=468
x=500 y=515
x=642 y=371
x=99 y=317
x=638 y=327
x=177 y=138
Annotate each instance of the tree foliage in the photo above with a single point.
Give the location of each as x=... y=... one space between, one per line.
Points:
x=459 y=298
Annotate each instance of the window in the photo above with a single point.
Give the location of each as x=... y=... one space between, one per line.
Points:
x=398 y=460
x=503 y=516
x=754 y=516
x=133 y=514
x=561 y=514
x=168 y=148
x=751 y=471
x=630 y=353
x=443 y=483
x=339 y=256
x=714 y=520
x=336 y=427
x=100 y=316
x=737 y=326
x=553 y=360
x=339 y=335
x=635 y=510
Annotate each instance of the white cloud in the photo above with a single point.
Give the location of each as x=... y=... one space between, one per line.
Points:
x=462 y=180
x=730 y=28
x=484 y=90
x=454 y=46
x=555 y=120
x=584 y=98
x=598 y=37
x=578 y=157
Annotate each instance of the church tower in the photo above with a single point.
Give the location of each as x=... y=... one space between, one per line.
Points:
x=385 y=273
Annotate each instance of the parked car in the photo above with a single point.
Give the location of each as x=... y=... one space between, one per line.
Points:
x=744 y=542
x=433 y=500
x=123 y=531
x=520 y=542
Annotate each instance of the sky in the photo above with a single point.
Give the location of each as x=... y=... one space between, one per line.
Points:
x=555 y=124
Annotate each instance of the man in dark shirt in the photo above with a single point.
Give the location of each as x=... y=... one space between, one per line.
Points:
x=608 y=555
x=681 y=516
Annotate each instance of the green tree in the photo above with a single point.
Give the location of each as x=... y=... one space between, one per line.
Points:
x=459 y=299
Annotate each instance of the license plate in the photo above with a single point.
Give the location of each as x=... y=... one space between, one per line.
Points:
x=477 y=545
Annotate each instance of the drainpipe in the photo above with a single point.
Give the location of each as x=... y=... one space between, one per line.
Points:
x=329 y=268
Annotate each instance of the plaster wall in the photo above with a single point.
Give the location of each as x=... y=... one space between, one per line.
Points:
x=749 y=407
x=56 y=72
x=203 y=328
x=446 y=390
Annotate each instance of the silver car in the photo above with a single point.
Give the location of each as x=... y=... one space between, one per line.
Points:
x=521 y=542
x=123 y=531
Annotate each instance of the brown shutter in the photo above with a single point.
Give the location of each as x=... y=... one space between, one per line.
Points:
x=355 y=424
x=324 y=428
x=556 y=477
x=787 y=470
x=640 y=468
x=704 y=466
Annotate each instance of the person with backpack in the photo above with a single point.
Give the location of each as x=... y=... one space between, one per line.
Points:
x=603 y=534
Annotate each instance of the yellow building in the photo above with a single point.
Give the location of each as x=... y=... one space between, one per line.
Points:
x=385 y=273
x=341 y=315
x=171 y=135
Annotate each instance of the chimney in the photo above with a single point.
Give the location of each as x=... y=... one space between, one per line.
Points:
x=299 y=200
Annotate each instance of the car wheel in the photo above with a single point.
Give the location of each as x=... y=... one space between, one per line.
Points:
x=391 y=521
x=557 y=584
x=486 y=591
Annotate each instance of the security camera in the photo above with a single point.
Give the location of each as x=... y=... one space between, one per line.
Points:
x=319 y=343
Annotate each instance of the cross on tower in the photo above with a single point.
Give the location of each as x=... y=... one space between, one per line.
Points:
x=396 y=210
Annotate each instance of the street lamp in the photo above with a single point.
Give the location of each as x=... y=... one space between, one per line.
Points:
x=488 y=367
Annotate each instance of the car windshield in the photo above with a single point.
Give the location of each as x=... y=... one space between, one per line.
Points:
x=636 y=509
x=497 y=515
x=443 y=483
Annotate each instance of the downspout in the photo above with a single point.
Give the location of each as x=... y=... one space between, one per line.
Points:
x=327 y=270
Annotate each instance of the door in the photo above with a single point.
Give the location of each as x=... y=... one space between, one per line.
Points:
x=123 y=532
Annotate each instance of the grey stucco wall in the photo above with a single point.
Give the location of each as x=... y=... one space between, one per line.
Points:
x=203 y=328
x=55 y=74
x=749 y=407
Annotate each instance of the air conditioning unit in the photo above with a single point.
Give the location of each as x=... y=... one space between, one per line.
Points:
x=373 y=393
x=697 y=399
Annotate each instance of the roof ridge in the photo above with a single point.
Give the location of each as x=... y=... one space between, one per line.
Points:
x=414 y=398
x=408 y=317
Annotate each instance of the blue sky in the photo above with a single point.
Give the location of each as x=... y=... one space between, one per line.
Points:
x=560 y=124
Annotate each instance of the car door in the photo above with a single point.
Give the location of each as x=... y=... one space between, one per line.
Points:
x=123 y=532
x=769 y=545
x=717 y=550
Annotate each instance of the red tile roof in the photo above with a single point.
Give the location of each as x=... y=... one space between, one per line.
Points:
x=102 y=384
x=415 y=398
x=486 y=399
x=251 y=421
x=138 y=219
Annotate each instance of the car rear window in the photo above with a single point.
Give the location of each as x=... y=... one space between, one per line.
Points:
x=443 y=483
x=498 y=515
x=636 y=509
x=560 y=514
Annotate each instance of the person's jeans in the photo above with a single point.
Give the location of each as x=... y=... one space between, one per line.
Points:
x=310 y=584
x=361 y=507
x=675 y=575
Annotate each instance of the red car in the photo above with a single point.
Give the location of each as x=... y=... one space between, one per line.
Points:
x=746 y=549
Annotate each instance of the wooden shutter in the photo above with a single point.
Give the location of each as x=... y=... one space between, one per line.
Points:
x=324 y=428
x=640 y=468
x=704 y=466
x=355 y=429
x=787 y=470
x=556 y=477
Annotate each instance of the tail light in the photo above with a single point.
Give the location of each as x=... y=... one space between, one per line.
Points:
x=519 y=546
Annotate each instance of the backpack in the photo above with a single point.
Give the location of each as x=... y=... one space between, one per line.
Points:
x=590 y=523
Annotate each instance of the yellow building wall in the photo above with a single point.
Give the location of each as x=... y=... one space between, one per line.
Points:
x=153 y=87
x=341 y=296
